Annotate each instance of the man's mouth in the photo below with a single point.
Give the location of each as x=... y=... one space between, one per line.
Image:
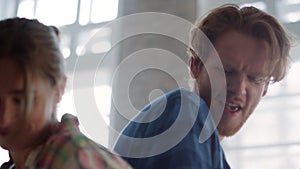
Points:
x=233 y=107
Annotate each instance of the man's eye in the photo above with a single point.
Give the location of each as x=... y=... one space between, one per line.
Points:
x=258 y=80
x=229 y=72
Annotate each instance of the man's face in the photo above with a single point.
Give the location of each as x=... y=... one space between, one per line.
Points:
x=245 y=60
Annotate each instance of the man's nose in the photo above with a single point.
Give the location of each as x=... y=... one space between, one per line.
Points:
x=237 y=85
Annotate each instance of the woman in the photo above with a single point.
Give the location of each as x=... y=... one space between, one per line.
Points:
x=32 y=83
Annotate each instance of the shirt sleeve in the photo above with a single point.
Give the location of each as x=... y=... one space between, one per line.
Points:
x=101 y=159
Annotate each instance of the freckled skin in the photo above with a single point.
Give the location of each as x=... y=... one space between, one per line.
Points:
x=245 y=60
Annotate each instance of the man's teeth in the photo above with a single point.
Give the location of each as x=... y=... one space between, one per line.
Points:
x=233 y=107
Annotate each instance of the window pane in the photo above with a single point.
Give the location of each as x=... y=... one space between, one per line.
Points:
x=85 y=11
x=26 y=9
x=57 y=12
x=104 y=10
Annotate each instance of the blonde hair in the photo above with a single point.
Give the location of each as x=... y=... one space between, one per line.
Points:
x=34 y=47
x=247 y=20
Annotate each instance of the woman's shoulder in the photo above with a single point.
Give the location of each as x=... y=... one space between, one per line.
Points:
x=70 y=148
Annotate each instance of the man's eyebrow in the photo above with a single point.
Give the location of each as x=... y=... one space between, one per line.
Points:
x=227 y=66
x=259 y=74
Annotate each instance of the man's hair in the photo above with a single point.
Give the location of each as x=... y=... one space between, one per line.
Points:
x=247 y=20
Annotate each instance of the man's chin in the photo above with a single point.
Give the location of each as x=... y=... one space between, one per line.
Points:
x=224 y=132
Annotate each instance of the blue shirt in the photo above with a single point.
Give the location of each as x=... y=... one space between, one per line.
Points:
x=175 y=131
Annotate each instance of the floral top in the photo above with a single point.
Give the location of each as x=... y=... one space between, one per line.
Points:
x=69 y=148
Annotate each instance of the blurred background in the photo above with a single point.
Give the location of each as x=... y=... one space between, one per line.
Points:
x=270 y=138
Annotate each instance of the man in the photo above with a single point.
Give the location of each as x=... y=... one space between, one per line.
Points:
x=254 y=51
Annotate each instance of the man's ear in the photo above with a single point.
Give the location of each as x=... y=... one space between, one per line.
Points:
x=60 y=88
x=195 y=67
x=265 y=90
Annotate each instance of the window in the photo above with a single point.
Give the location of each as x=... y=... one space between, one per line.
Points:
x=59 y=13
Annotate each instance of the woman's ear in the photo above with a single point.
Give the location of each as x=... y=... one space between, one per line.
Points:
x=60 y=88
x=195 y=67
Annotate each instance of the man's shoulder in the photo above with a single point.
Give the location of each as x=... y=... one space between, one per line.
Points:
x=181 y=93
x=179 y=105
x=176 y=98
x=170 y=117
